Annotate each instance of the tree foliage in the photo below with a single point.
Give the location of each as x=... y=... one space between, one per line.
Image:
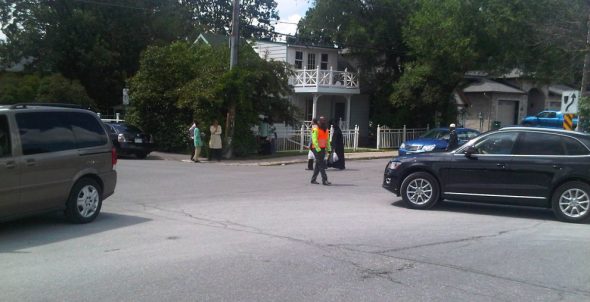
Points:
x=414 y=53
x=55 y=88
x=180 y=82
x=99 y=42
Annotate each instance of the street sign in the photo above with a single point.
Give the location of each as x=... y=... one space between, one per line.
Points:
x=569 y=101
x=125 y=96
x=568 y=121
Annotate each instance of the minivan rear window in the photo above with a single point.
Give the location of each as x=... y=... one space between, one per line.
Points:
x=5 y=145
x=41 y=132
x=87 y=130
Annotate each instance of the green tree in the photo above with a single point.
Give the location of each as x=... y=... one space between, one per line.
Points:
x=182 y=81
x=99 y=42
x=30 y=88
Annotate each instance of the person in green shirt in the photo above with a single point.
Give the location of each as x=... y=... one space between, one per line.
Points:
x=198 y=142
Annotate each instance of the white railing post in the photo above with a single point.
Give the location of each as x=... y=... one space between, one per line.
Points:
x=404 y=134
x=98 y=113
x=304 y=76
x=302 y=138
x=331 y=77
x=117 y=116
x=378 y=136
x=317 y=76
x=344 y=77
x=356 y=137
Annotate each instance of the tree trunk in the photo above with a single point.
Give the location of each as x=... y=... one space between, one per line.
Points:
x=585 y=75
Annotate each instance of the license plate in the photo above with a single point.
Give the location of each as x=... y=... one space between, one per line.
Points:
x=138 y=141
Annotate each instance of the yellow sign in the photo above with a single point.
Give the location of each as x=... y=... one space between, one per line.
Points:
x=568 y=121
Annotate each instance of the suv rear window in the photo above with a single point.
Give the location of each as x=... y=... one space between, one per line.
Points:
x=41 y=132
x=540 y=144
x=574 y=147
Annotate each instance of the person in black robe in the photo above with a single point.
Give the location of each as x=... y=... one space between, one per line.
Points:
x=338 y=147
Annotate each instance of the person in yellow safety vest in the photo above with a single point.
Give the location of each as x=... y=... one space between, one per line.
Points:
x=320 y=137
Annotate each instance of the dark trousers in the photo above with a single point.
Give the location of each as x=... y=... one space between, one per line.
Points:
x=192 y=146
x=320 y=165
x=215 y=154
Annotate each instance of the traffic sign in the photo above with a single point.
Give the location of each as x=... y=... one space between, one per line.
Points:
x=569 y=101
x=568 y=121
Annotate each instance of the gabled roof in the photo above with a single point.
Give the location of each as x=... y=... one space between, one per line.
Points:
x=485 y=85
x=213 y=39
x=559 y=89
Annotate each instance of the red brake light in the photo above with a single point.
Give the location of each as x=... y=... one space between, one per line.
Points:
x=114 y=157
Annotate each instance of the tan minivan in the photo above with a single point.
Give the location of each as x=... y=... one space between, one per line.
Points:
x=54 y=158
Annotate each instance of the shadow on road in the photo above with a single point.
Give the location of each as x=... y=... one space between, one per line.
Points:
x=36 y=231
x=489 y=209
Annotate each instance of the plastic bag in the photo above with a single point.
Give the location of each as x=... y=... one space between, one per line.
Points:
x=334 y=157
x=310 y=155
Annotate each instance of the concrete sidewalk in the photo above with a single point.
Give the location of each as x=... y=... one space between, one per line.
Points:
x=272 y=161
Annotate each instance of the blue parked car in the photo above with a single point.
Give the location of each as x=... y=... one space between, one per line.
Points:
x=547 y=118
x=436 y=140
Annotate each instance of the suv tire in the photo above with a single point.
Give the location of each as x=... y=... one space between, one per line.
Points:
x=571 y=202
x=420 y=190
x=85 y=201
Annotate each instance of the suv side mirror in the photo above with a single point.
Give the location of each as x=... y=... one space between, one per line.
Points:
x=470 y=151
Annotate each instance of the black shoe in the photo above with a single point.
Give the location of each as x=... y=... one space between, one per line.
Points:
x=326 y=183
x=315 y=182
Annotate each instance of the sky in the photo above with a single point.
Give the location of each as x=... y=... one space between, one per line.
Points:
x=290 y=11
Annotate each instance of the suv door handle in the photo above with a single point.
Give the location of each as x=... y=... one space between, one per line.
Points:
x=558 y=167
x=30 y=162
x=501 y=165
x=10 y=164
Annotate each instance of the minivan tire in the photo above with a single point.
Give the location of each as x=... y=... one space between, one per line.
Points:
x=569 y=200
x=85 y=201
x=420 y=190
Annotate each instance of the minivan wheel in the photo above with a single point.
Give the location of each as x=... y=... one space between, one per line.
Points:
x=420 y=190
x=571 y=202
x=85 y=201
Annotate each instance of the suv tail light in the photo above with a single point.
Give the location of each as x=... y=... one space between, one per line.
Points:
x=121 y=138
x=114 y=157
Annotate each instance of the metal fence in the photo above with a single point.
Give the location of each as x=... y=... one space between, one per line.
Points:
x=289 y=139
x=388 y=138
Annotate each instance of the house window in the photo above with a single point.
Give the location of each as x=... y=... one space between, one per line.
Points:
x=299 y=60
x=324 y=63
x=311 y=61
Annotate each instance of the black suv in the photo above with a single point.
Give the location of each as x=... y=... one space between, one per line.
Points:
x=519 y=166
x=129 y=140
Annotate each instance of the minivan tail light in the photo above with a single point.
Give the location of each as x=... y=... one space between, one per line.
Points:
x=121 y=138
x=114 y=157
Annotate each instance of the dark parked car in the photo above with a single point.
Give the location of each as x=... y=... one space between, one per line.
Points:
x=130 y=140
x=436 y=140
x=54 y=157
x=520 y=166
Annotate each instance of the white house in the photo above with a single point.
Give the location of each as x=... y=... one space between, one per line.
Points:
x=322 y=86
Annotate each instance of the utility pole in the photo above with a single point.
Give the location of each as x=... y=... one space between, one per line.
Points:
x=585 y=76
x=233 y=61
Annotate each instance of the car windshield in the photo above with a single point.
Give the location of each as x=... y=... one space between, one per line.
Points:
x=437 y=134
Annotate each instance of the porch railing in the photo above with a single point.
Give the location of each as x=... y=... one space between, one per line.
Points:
x=299 y=139
x=325 y=78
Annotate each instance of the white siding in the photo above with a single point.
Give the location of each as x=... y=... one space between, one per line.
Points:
x=271 y=51
x=332 y=55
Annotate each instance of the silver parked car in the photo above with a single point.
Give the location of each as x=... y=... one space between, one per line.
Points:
x=54 y=158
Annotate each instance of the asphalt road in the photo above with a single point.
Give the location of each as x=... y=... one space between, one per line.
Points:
x=208 y=232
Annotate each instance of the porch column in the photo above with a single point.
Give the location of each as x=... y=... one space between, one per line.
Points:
x=348 y=97
x=315 y=106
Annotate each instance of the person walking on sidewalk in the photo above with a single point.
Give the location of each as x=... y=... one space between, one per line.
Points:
x=337 y=142
x=197 y=142
x=215 y=144
x=310 y=156
x=320 y=137
x=191 y=136
x=453 y=140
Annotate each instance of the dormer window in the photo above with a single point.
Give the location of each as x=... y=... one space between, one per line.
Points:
x=311 y=61
x=324 y=62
